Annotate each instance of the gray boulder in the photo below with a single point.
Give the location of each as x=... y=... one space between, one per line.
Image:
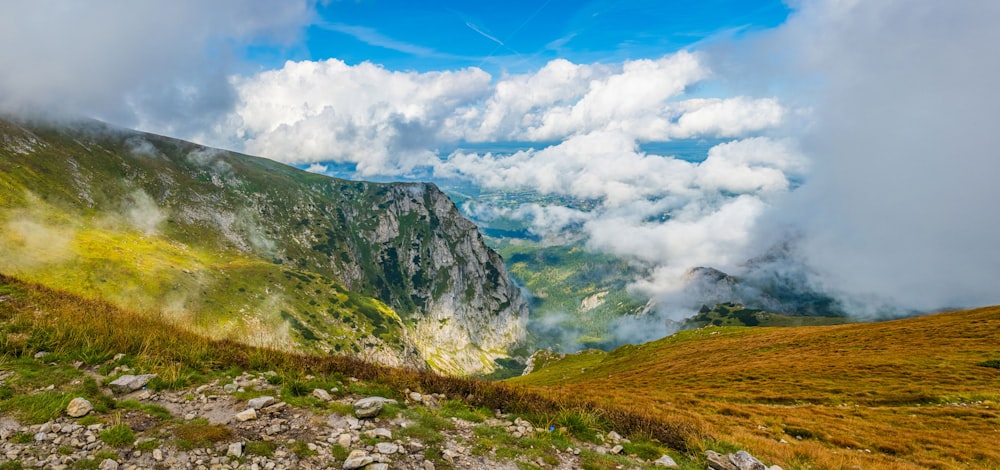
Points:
x=357 y=459
x=665 y=461
x=744 y=461
x=260 y=402
x=370 y=407
x=717 y=461
x=130 y=383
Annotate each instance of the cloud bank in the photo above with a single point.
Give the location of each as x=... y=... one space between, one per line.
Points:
x=900 y=206
x=150 y=64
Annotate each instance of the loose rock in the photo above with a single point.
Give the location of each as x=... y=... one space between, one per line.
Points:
x=260 y=402
x=357 y=459
x=386 y=448
x=108 y=464
x=717 y=461
x=744 y=461
x=665 y=461
x=78 y=407
x=235 y=450
x=370 y=407
x=130 y=383
x=246 y=415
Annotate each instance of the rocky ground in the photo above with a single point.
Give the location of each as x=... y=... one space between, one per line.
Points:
x=215 y=426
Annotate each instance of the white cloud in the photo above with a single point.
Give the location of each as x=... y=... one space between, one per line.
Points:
x=751 y=165
x=385 y=121
x=728 y=117
x=598 y=165
x=317 y=168
x=155 y=64
x=389 y=122
x=900 y=204
x=669 y=213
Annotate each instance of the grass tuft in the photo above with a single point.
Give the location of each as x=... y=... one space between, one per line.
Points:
x=119 y=435
x=199 y=433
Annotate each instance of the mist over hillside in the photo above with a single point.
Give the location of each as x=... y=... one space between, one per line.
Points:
x=247 y=249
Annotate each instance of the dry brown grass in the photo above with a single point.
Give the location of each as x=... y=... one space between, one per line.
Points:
x=899 y=394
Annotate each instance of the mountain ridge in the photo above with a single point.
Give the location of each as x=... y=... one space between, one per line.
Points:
x=241 y=246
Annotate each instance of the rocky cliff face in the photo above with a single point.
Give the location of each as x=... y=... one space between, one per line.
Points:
x=253 y=250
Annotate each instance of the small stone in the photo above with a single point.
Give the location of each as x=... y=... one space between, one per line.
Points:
x=322 y=395
x=157 y=455
x=416 y=397
x=378 y=466
x=118 y=357
x=78 y=407
x=386 y=448
x=428 y=465
x=246 y=415
x=230 y=388
x=41 y=354
x=108 y=464
x=357 y=459
x=41 y=437
x=382 y=433
x=617 y=449
x=449 y=456
x=601 y=450
x=130 y=383
x=370 y=407
x=344 y=440
x=190 y=416
x=665 y=461
x=235 y=450
x=614 y=437
x=260 y=402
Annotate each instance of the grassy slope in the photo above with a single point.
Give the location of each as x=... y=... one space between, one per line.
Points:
x=71 y=217
x=909 y=391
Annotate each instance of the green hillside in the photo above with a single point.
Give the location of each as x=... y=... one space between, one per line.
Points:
x=245 y=248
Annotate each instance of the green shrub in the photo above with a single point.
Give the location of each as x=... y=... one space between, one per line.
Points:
x=994 y=363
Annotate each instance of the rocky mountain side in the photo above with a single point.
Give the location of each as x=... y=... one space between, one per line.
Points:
x=245 y=248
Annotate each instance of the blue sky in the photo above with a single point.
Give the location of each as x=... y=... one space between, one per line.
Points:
x=517 y=36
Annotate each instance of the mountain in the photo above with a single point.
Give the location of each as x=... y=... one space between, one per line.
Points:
x=913 y=393
x=239 y=247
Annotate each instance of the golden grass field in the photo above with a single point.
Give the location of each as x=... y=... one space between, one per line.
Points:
x=897 y=394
